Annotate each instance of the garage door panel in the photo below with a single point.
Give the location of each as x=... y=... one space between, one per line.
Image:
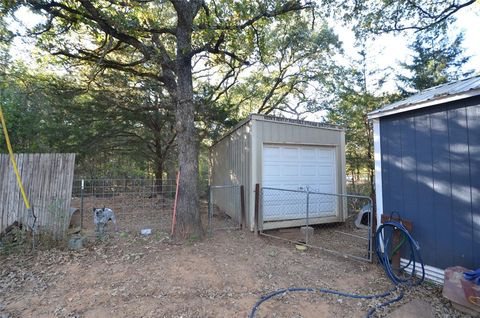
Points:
x=290 y=170
x=290 y=186
x=327 y=155
x=271 y=152
x=325 y=170
x=296 y=168
x=308 y=170
x=271 y=170
x=280 y=205
x=289 y=154
x=308 y=154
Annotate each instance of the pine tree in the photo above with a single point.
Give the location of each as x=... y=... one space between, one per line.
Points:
x=436 y=60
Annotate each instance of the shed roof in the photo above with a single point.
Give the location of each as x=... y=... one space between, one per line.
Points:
x=432 y=96
x=298 y=122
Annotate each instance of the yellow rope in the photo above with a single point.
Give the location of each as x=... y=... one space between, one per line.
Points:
x=12 y=159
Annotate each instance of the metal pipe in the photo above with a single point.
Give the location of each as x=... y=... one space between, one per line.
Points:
x=82 y=188
x=306 y=222
x=210 y=211
x=353 y=257
x=224 y=186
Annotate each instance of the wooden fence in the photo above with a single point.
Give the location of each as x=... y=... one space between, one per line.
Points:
x=47 y=179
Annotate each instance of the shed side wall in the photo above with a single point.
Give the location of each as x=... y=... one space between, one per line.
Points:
x=230 y=165
x=431 y=175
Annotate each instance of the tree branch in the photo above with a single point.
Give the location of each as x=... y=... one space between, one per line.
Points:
x=287 y=7
x=111 y=64
x=106 y=26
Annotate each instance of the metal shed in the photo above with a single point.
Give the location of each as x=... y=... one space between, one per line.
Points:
x=427 y=166
x=282 y=153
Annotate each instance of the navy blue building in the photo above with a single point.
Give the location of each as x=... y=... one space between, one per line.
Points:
x=427 y=165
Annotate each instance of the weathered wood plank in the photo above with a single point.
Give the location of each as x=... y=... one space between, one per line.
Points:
x=47 y=179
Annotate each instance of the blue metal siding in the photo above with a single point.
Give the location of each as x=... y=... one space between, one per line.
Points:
x=473 y=122
x=431 y=176
x=442 y=207
x=424 y=166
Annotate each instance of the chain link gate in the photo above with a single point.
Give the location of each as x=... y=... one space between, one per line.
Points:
x=336 y=223
x=226 y=207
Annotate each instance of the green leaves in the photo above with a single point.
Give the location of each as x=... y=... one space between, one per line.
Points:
x=436 y=60
x=378 y=16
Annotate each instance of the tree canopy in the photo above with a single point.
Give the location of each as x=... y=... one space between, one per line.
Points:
x=378 y=16
x=436 y=60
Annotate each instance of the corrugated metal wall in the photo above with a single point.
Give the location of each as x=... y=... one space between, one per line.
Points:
x=230 y=165
x=431 y=175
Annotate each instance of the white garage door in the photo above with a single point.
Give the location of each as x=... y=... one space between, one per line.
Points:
x=295 y=168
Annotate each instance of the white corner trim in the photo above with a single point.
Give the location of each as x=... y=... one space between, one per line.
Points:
x=253 y=169
x=378 y=169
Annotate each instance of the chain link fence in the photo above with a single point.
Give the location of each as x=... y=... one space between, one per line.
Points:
x=137 y=203
x=337 y=223
x=226 y=209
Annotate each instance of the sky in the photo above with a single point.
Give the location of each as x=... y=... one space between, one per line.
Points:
x=389 y=49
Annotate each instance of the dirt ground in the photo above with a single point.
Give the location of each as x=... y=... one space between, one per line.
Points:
x=221 y=276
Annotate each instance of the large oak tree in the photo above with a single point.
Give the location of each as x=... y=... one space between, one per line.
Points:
x=161 y=40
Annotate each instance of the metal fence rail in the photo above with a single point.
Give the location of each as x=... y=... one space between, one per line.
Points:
x=332 y=222
x=137 y=203
x=226 y=207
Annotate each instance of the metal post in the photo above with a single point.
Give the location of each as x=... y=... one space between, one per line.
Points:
x=242 y=208
x=307 y=223
x=257 y=203
x=112 y=189
x=82 y=188
x=370 y=232
x=236 y=196
x=210 y=210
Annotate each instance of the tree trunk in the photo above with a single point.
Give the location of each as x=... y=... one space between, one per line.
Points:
x=188 y=224
x=159 y=177
x=171 y=170
x=354 y=189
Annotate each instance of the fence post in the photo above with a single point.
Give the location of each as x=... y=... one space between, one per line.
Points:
x=307 y=221
x=82 y=188
x=242 y=208
x=257 y=208
x=210 y=210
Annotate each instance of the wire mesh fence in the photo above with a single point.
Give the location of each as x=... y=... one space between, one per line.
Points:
x=225 y=207
x=338 y=223
x=136 y=203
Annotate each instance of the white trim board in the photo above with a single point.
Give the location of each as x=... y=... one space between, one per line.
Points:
x=378 y=170
x=432 y=274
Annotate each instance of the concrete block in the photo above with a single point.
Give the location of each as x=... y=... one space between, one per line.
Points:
x=306 y=230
